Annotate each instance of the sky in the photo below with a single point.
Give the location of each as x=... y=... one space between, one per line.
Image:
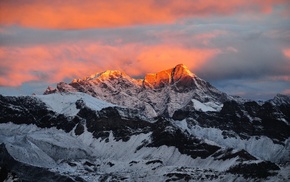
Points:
x=242 y=47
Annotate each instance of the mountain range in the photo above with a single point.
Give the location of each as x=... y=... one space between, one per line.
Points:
x=157 y=94
x=169 y=126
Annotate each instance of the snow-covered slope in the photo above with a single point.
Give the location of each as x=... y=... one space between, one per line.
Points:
x=157 y=94
x=261 y=147
x=65 y=103
x=280 y=99
x=207 y=106
x=78 y=137
x=87 y=158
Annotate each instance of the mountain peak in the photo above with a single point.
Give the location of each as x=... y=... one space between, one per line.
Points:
x=111 y=74
x=182 y=69
x=179 y=73
x=108 y=74
x=181 y=66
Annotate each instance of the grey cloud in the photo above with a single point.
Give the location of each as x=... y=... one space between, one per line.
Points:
x=26 y=88
x=40 y=75
x=4 y=71
x=255 y=58
x=19 y=36
x=251 y=88
x=259 y=44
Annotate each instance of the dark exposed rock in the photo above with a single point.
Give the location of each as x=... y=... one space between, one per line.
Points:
x=255 y=170
x=229 y=154
x=3 y=173
x=154 y=162
x=165 y=134
x=110 y=164
x=180 y=115
x=79 y=129
x=89 y=164
x=133 y=162
x=178 y=177
x=108 y=120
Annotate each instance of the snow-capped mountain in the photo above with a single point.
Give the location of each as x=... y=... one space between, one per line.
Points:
x=280 y=99
x=196 y=133
x=157 y=94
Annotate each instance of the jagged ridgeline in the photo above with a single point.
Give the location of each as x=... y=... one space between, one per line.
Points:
x=157 y=94
x=169 y=126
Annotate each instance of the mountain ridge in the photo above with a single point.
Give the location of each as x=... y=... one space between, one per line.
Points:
x=160 y=93
x=153 y=79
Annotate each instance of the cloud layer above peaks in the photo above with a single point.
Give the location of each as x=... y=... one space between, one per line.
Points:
x=242 y=47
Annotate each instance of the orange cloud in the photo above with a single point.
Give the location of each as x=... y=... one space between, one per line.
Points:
x=286 y=53
x=286 y=92
x=156 y=58
x=75 y=14
x=54 y=63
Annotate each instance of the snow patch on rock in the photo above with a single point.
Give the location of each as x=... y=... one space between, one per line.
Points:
x=65 y=103
x=207 y=106
x=261 y=147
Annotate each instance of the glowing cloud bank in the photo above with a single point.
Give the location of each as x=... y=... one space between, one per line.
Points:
x=242 y=47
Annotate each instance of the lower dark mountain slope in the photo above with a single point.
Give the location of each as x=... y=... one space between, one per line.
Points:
x=79 y=141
